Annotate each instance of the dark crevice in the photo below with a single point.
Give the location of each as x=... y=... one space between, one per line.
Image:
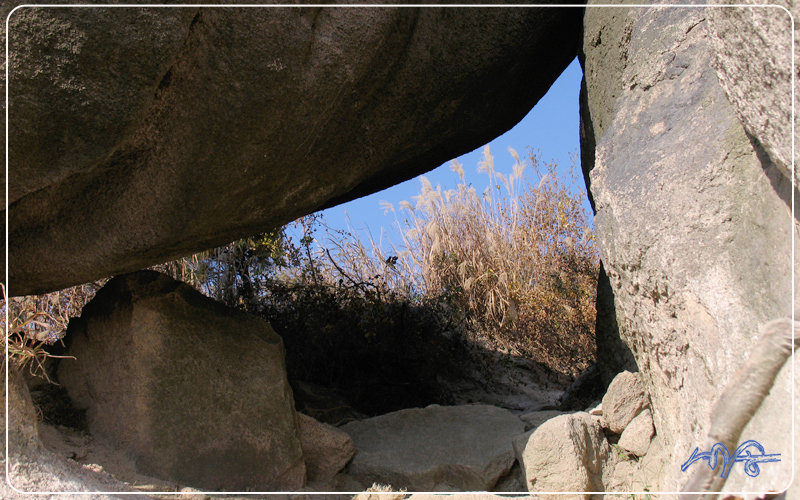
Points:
x=780 y=182
x=165 y=81
x=196 y=19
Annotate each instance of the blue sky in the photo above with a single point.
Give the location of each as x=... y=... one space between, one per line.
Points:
x=552 y=127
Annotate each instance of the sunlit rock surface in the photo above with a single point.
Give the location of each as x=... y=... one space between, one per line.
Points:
x=693 y=218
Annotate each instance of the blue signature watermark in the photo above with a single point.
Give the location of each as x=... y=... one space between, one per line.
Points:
x=744 y=453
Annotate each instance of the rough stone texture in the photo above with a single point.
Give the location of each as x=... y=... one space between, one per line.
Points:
x=692 y=220
x=637 y=434
x=752 y=50
x=33 y=468
x=620 y=475
x=326 y=449
x=192 y=127
x=606 y=34
x=534 y=419
x=461 y=447
x=195 y=391
x=626 y=475
x=623 y=401
x=23 y=436
x=774 y=416
x=652 y=467
x=566 y=453
x=513 y=482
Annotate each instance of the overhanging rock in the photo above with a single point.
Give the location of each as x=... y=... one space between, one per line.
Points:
x=141 y=135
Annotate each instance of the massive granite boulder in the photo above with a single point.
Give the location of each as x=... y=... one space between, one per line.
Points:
x=566 y=453
x=138 y=135
x=193 y=391
x=693 y=216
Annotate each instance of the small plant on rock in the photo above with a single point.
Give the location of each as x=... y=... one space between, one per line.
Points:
x=37 y=322
x=621 y=453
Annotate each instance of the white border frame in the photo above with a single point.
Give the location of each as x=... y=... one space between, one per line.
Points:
x=456 y=6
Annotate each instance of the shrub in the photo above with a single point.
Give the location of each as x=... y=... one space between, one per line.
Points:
x=512 y=268
x=518 y=260
x=381 y=351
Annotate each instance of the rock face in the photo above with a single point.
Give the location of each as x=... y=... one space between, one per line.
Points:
x=565 y=453
x=637 y=435
x=459 y=448
x=693 y=217
x=623 y=401
x=534 y=419
x=33 y=468
x=23 y=436
x=191 y=127
x=195 y=391
x=326 y=449
x=753 y=59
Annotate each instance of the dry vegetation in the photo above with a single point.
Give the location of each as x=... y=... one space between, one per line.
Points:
x=518 y=260
x=512 y=268
x=36 y=322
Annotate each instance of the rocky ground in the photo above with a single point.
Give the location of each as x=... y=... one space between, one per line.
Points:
x=516 y=386
x=487 y=442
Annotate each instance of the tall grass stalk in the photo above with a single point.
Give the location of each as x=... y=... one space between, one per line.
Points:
x=518 y=259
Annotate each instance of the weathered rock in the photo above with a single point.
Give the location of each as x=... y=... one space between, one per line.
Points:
x=33 y=468
x=326 y=449
x=652 y=467
x=23 y=436
x=462 y=447
x=606 y=31
x=747 y=391
x=638 y=433
x=192 y=127
x=752 y=55
x=692 y=222
x=620 y=475
x=194 y=390
x=534 y=419
x=565 y=453
x=623 y=401
x=775 y=413
x=513 y=482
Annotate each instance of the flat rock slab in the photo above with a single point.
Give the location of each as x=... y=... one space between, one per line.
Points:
x=467 y=448
x=193 y=391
